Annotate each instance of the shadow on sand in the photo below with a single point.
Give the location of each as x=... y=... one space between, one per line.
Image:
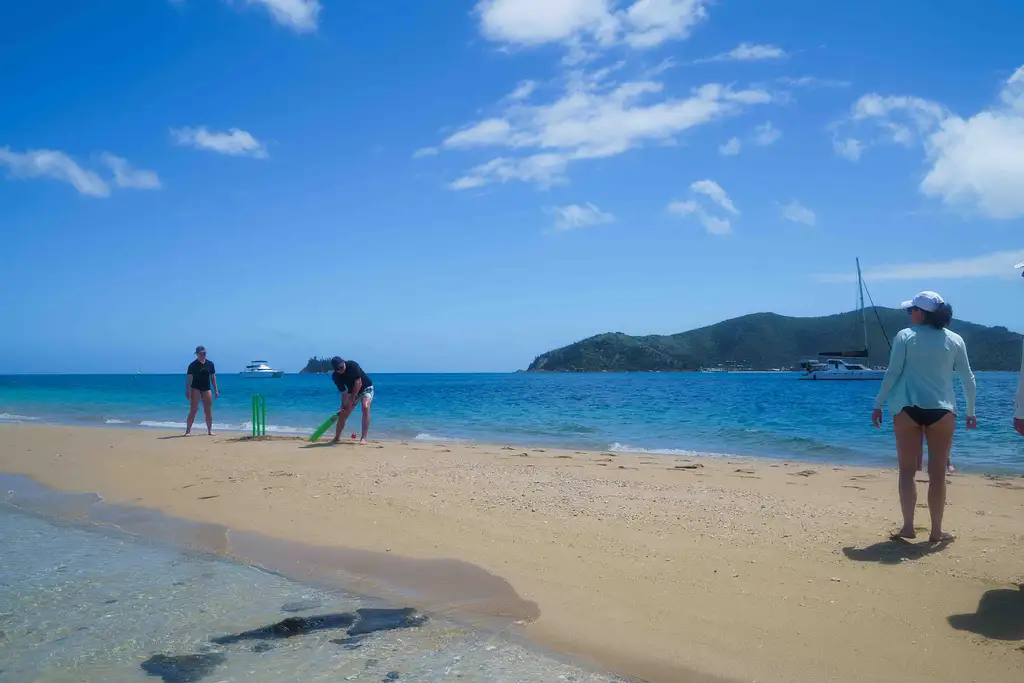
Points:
x=894 y=551
x=1000 y=615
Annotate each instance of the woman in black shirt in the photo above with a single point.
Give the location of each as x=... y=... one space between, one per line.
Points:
x=201 y=376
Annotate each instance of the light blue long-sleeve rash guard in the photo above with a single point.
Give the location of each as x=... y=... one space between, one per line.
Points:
x=921 y=371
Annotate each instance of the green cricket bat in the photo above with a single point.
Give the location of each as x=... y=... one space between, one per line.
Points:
x=323 y=428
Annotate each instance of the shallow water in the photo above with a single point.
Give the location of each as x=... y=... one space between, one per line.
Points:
x=768 y=415
x=92 y=603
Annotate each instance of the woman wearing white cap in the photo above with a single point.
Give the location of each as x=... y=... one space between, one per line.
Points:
x=919 y=386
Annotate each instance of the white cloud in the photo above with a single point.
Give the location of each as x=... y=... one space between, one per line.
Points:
x=849 y=148
x=426 y=152
x=48 y=163
x=300 y=15
x=731 y=148
x=975 y=162
x=766 y=134
x=712 y=224
x=715 y=193
x=486 y=133
x=998 y=264
x=234 y=142
x=523 y=90
x=576 y=216
x=798 y=213
x=747 y=52
x=575 y=23
x=592 y=120
x=813 y=82
x=127 y=176
x=544 y=169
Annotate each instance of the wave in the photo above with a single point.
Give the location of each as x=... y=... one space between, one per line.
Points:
x=8 y=417
x=685 y=452
x=226 y=427
x=112 y=421
x=430 y=438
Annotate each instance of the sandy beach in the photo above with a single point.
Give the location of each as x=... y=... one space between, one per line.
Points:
x=664 y=568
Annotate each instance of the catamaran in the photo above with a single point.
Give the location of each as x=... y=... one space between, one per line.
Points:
x=834 y=366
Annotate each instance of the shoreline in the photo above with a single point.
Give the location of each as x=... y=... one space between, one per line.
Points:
x=654 y=566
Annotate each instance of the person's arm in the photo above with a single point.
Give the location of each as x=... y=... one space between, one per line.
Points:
x=962 y=367
x=188 y=385
x=897 y=359
x=356 y=387
x=213 y=380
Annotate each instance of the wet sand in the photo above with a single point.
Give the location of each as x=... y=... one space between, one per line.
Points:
x=669 y=569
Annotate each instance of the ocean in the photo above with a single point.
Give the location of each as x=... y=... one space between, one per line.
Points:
x=768 y=415
x=80 y=601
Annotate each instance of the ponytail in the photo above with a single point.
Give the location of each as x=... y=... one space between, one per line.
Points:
x=940 y=318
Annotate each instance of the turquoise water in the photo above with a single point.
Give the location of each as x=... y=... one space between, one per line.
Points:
x=88 y=603
x=767 y=415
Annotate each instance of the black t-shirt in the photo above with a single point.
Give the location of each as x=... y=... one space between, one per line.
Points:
x=201 y=374
x=346 y=380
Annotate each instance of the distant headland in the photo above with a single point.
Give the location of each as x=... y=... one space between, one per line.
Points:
x=317 y=366
x=766 y=341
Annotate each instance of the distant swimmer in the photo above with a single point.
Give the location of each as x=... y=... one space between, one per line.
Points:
x=1018 y=418
x=355 y=387
x=201 y=376
x=919 y=387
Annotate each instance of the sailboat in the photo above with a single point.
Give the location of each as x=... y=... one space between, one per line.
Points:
x=834 y=366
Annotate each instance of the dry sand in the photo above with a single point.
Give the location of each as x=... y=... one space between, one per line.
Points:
x=665 y=568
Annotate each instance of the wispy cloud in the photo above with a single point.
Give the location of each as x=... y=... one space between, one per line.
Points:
x=730 y=148
x=426 y=152
x=523 y=90
x=747 y=52
x=234 y=142
x=298 y=15
x=584 y=25
x=798 y=213
x=766 y=134
x=574 y=216
x=848 y=148
x=125 y=175
x=715 y=225
x=812 y=82
x=56 y=165
x=976 y=162
x=996 y=265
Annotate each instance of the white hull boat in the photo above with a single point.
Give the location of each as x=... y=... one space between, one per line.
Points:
x=258 y=369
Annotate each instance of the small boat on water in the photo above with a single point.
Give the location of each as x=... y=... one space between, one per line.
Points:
x=834 y=366
x=258 y=369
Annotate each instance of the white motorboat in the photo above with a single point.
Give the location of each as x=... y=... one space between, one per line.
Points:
x=258 y=369
x=834 y=366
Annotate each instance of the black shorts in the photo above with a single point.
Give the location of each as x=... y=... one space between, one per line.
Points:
x=925 y=417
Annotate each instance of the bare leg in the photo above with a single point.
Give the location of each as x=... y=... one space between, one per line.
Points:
x=908 y=448
x=193 y=400
x=366 y=418
x=346 y=410
x=940 y=440
x=208 y=410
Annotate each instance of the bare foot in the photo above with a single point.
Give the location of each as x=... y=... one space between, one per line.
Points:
x=335 y=440
x=907 y=532
x=362 y=442
x=211 y=433
x=950 y=468
x=944 y=537
x=188 y=433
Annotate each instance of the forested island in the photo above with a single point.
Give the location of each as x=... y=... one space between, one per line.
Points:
x=767 y=341
x=317 y=366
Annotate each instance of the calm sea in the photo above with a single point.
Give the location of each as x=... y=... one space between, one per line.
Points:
x=769 y=415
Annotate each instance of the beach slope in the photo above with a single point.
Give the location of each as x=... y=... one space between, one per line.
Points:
x=665 y=568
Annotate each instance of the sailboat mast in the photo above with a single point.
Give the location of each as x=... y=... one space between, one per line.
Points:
x=860 y=305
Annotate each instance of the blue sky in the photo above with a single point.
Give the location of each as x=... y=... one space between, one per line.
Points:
x=460 y=185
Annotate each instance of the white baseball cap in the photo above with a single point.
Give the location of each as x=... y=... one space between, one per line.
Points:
x=926 y=301
x=1020 y=265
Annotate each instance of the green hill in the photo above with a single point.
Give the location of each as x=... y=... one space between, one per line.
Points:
x=763 y=341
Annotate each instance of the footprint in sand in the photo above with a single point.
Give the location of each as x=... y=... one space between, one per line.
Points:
x=688 y=466
x=852 y=486
x=606 y=460
x=742 y=471
x=803 y=473
x=208 y=497
x=562 y=457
